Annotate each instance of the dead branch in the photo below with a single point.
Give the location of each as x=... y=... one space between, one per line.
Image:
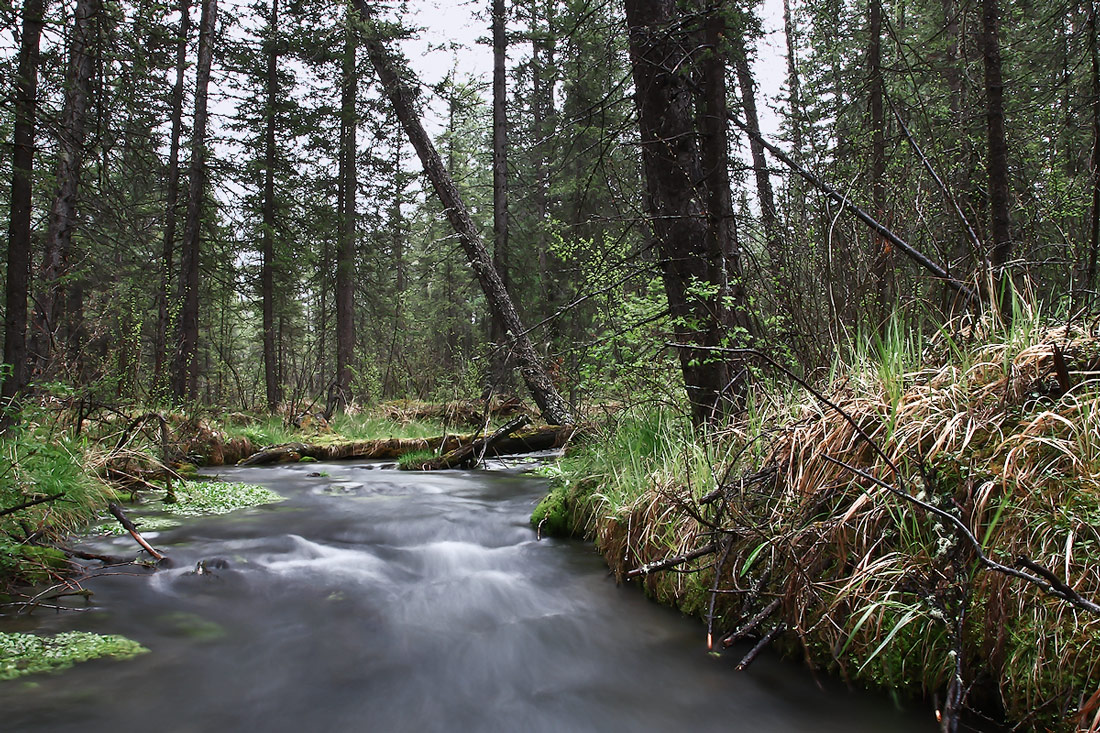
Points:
x=750 y=626
x=120 y=515
x=761 y=645
x=672 y=561
x=32 y=502
x=910 y=251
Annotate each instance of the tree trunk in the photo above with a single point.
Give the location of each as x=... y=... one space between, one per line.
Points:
x=765 y=194
x=19 y=223
x=881 y=251
x=345 y=248
x=679 y=218
x=186 y=366
x=49 y=317
x=997 y=161
x=1094 y=164
x=160 y=339
x=499 y=367
x=535 y=376
x=794 y=86
x=267 y=245
x=723 y=252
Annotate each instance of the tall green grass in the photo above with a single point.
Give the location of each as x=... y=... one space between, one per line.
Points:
x=37 y=463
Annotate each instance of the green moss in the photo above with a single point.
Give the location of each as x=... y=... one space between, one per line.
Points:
x=193 y=626
x=197 y=498
x=413 y=461
x=307 y=459
x=23 y=654
x=554 y=515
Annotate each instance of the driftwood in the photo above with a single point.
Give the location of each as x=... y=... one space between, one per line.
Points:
x=545 y=438
x=129 y=527
x=470 y=454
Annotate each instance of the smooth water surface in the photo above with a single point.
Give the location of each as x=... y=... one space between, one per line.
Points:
x=378 y=600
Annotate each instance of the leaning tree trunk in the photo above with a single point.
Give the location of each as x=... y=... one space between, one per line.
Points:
x=186 y=367
x=997 y=160
x=678 y=212
x=554 y=408
x=50 y=309
x=769 y=216
x=19 y=223
x=160 y=339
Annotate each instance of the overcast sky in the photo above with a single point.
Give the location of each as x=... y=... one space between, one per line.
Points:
x=451 y=29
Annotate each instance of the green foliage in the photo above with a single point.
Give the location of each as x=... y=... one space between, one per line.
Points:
x=36 y=462
x=197 y=498
x=24 y=654
x=414 y=460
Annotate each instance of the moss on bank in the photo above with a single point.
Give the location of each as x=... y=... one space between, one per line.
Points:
x=869 y=586
x=24 y=654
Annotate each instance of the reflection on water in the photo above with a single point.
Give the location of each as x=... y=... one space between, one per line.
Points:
x=386 y=601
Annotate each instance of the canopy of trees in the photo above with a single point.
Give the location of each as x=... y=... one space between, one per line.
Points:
x=231 y=204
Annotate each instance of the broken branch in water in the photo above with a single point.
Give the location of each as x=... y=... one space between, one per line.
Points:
x=761 y=645
x=120 y=515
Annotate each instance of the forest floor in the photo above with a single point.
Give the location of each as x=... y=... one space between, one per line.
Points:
x=878 y=527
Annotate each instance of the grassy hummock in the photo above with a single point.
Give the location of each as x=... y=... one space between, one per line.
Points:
x=869 y=585
x=24 y=654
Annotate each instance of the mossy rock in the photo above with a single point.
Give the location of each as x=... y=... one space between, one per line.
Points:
x=553 y=515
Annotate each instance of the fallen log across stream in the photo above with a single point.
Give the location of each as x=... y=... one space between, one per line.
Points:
x=526 y=441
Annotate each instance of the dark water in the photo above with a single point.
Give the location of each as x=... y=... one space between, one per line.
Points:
x=385 y=601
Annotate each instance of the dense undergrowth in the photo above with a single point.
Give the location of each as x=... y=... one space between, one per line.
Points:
x=1001 y=430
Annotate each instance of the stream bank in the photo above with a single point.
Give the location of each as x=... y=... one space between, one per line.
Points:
x=808 y=523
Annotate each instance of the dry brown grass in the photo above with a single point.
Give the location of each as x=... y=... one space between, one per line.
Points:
x=870 y=585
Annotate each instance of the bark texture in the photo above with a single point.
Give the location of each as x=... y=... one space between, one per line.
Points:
x=272 y=382
x=186 y=366
x=52 y=326
x=19 y=222
x=997 y=158
x=677 y=205
x=345 y=246
x=168 y=249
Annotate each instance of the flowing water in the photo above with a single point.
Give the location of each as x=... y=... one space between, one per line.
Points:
x=375 y=600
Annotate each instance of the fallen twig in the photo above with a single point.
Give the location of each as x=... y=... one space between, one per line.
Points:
x=750 y=626
x=32 y=502
x=672 y=561
x=761 y=645
x=116 y=510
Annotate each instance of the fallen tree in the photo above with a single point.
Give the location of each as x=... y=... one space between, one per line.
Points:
x=528 y=441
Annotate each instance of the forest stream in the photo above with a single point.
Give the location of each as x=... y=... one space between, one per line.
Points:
x=392 y=601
